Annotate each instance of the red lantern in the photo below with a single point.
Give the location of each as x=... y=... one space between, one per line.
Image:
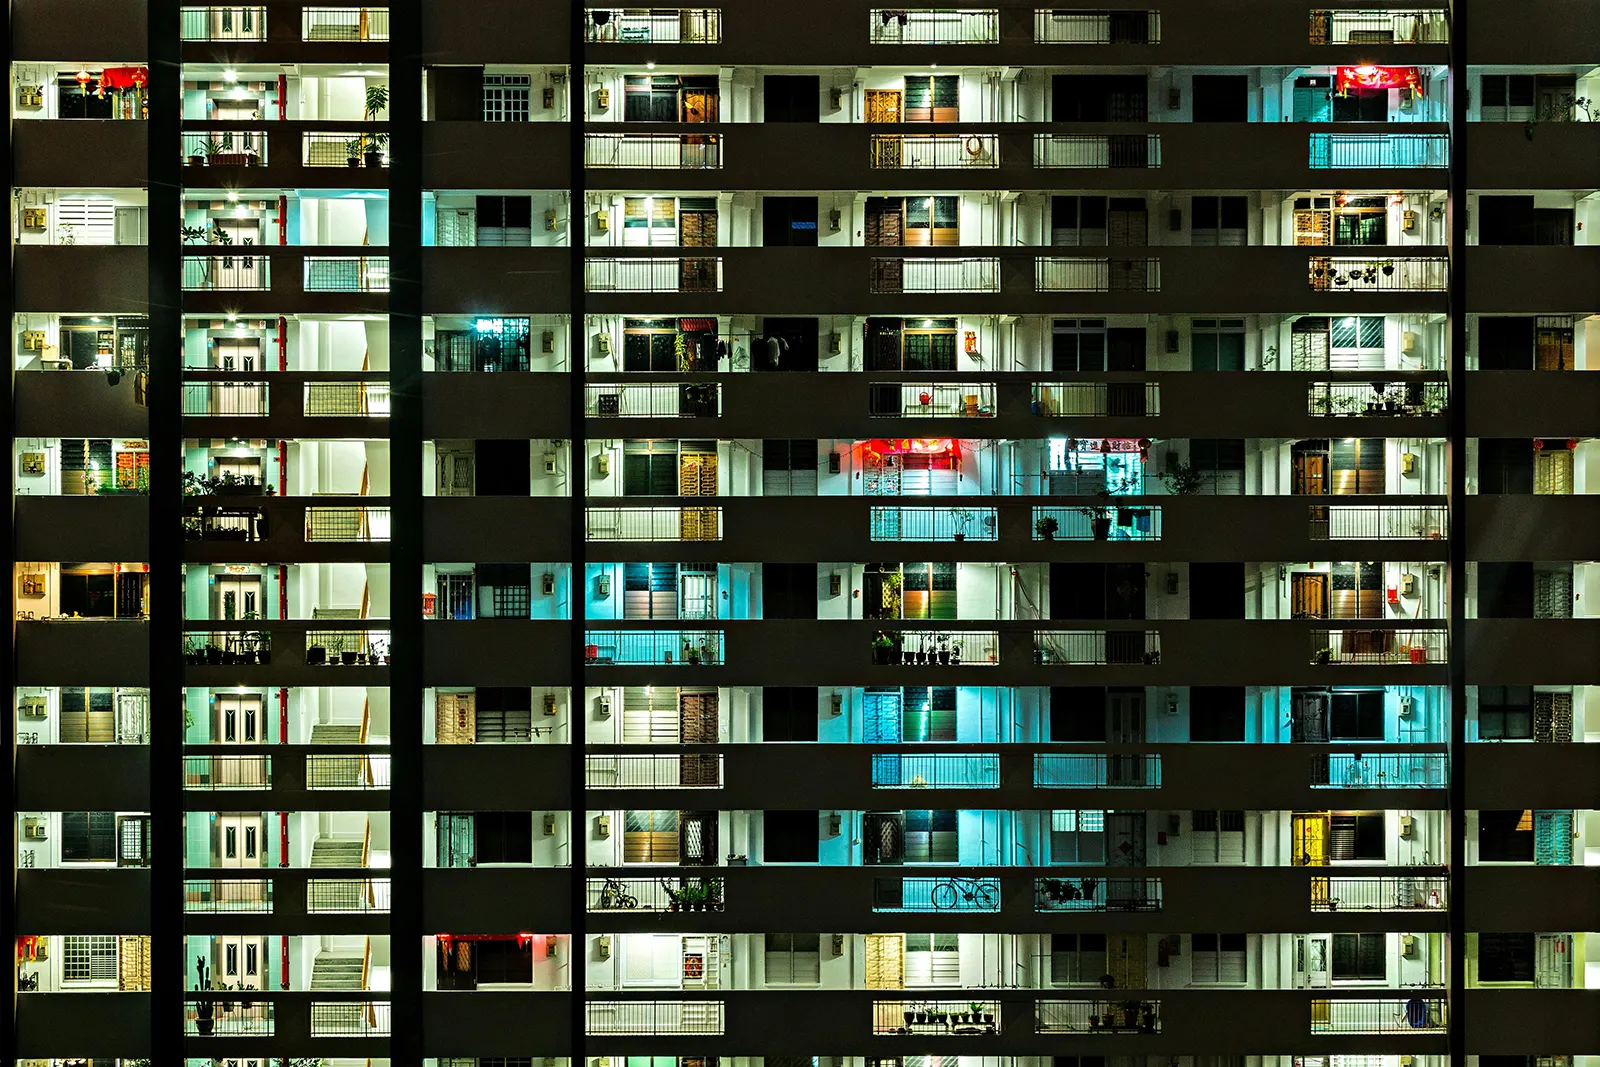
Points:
x=1538 y=445
x=83 y=81
x=1572 y=442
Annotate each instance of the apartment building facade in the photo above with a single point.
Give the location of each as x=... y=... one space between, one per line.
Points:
x=1020 y=463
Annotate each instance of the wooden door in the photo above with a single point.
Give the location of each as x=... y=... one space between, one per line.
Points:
x=886 y=961
x=1127 y=223
x=1310 y=474
x=1554 y=348
x=1313 y=228
x=698 y=229
x=698 y=725
x=455 y=719
x=1308 y=595
x=697 y=476
x=885 y=225
x=883 y=105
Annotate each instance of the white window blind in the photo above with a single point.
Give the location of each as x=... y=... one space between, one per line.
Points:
x=92 y=218
x=933 y=960
x=650 y=715
x=1217 y=959
x=793 y=959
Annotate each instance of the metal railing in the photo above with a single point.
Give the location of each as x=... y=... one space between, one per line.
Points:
x=1360 y=151
x=651 y=771
x=1079 y=648
x=350 y=1018
x=661 y=274
x=347 y=274
x=1082 y=770
x=931 y=25
x=935 y=1017
x=341 y=148
x=1415 y=1015
x=1097 y=894
x=934 y=151
x=1380 y=770
x=653 y=524
x=1379 y=646
x=952 y=893
x=1373 y=26
x=364 y=399
x=1056 y=399
x=1083 y=274
x=227 y=772
x=1122 y=523
x=1379 y=522
x=1383 y=893
x=225 y=148
x=223 y=23
x=676 y=648
x=345 y=647
x=652 y=894
x=203 y=399
x=931 y=400
x=698 y=400
x=902 y=274
x=223 y=896
x=952 y=648
x=1327 y=274
x=1066 y=26
x=1377 y=399
x=346 y=896
x=936 y=770
x=653 y=151
x=344 y=24
x=226 y=648
x=215 y=522
x=928 y=524
x=683 y=25
x=227 y=273
x=228 y=1016
x=347 y=771
x=347 y=525
x=654 y=1017
x=1097 y=151
x=1097 y=1017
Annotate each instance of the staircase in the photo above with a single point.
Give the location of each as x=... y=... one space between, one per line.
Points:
x=328 y=733
x=336 y=971
x=326 y=853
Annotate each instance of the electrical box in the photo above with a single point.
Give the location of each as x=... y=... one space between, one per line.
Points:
x=1408 y=463
x=602 y=100
x=549 y=824
x=550 y=948
x=602 y=709
x=602 y=946
x=547 y=341
x=550 y=219
x=549 y=99
x=31 y=707
x=549 y=466
x=602 y=585
x=1408 y=341
x=604 y=342
x=1408 y=221
x=835 y=343
x=1408 y=945
x=34 y=218
x=1404 y=705
x=835 y=585
x=33 y=340
x=547 y=585
x=30 y=96
x=835 y=219
x=1174 y=99
x=1408 y=585
x=835 y=824
x=836 y=704
x=836 y=98
x=33 y=829
x=602 y=824
x=1172 y=341
x=838 y=944
x=549 y=703
x=602 y=465
x=835 y=463
x=1406 y=825
x=602 y=222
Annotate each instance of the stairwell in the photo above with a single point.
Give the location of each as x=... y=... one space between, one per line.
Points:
x=329 y=853
x=328 y=733
x=340 y=971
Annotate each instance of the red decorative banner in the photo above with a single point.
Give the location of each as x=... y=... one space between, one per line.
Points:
x=1349 y=78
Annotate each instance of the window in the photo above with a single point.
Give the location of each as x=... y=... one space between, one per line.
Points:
x=928 y=591
x=504 y=221
x=1220 y=462
x=508 y=589
x=933 y=220
x=789 y=468
x=1216 y=590
x=504 y=962
x=1357 y=465
x=933 y=98
x=789 y=713
x=1357 y=591
x=788 y=590
x=504 y=715
x=928 y=713
x=791 y=836
x=931 y=837
x=1356 y=343
x=1078 y=345
x=651 y=220
x=1527 y=97
x=1216 y=344
x=88 y=837
x=1505 y=957
x=505 y=97
x=932 y=960
x=1077 y=959
x=1216 y=713
x=1356 y=715
x=650 y=837
x=650 y=468
x=88 y=716
x=1216 y=836
x=1217 y=959
x=133 y=841
x=927 y=344
x=789 y=221
x=1078 y=221
x=1221 y=98
x=1505 y=837
x=1359 y=957
x=1505 y=465
x=1219 y=221
x=648 y=344
x=650 y=99
x=794 y=959
x=1077 y=837
x=1357 y=837
x=505 y=837
x=649 y=590
x=791 y=98
x=89 y=959
x=1099 y=98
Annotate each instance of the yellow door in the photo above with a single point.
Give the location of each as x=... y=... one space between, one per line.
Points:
x=455 y=719
x=1310 y=831
x=883 y=105
x=886 y=961
x=1125 y=960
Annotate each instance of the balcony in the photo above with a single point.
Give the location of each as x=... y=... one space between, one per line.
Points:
x=920 y=895
x=641 y=771
x=1364 y=26
x=941 y=26
x=1385 y=646
x=652 y=400
x=686 y=274
x=909 y=274
x=654 y=895
x=1066 y=26
x=1081 y=648
x=684 y=25
x=1098 y=522
x=641 y=648
x=228 y=149
x=1378 y=151
x=1417 y=1015
x=653 y=524
x=348 y=896
x=1094 y=771
x=1097 y=151
x=1386 y=770
x=1380 y=893
x=931 y=400
x=1418 y=274
x=1379 y=522
x=1377 y=399
x=652 y=151
x=653 y=1018
x=936 y=770
x=227 y=896
x=1096 y=894
x=935 y=1018
x=1113 y=399
x=934 y=151
x=920 y=524
x=952 y=648
x=1098 y=1017
x=344 y=24
x=227 y=273
x=223 y=23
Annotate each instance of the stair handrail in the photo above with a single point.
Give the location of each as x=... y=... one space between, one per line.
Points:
x=368 y=1008
x=366 y=718
x=366 y=843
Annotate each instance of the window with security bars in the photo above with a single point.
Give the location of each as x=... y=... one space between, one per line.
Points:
x=1505 y=712
x=88 y=837
x=1077 y=959
x=1359 y=957
x=1217 y=959
x=793 y=959
x=1077 y=836
x=1216 y=836
x=932 y=960
x=454 y=596
x=504 y=714
x=505 y=590
x=789 y=468
x=133 y=841
x=1356 y=342
x=650 y=837
x=89 y=959
x=506 y=97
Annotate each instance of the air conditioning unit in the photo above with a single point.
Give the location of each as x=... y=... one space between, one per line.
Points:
x=550 y=824
x=549 y=464
x=547 y=585
x=602 y=706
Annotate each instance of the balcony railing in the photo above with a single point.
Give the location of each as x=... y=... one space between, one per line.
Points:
x=1377 y=399
x=223 y=23
x=228 y=1016
x=950 y=893
x=654 y=894
x=225 y=148
x=652 y=524
x=227 y=772
x=653 y=151
x=1079 y=770
x=935 y=1017
x=1365 y=647
x=663 y=274
x=1098 y=1017
x=353 y=525
x=350 y=1018
x=1360 y=151
x=933 y=26
x=1097 y=151
x=347 y=771
x=653 y=1017
x=1384 y=893
x=225 y=273
x=931 y=400
x=227 y=896
x=934 y=524
x=342 y=148
x=928 y=648
x=1073 y=399
x=650 y=771
x=1327 y=274
x=347 y=274
x=936 y=770
x=1380 y=770
x=934 y=151
x=648 y=400
x=1079 y=648
x=224 y=399
x=1066 y=26
x=1081 y=274
x=1097 y=894
x=1371 y=26
x=900 y=274
x=648 y=648
x=347 y=896
x=1379 y=522
x=222 y=522
x=1417 y=1015
x=1083 y=523
x=359 y=399
x=348 y=648
x=683 y=25
x=344 y=24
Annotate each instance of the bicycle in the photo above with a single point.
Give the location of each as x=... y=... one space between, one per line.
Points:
x=954 y=892
x=613 y=895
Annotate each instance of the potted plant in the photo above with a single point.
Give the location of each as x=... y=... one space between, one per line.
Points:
x=977 y=1012
x=205 y=1020
x=373 y=156
x=377 y=102
x=882 y=648
x=1045 y=527
x=944 y=649
x=1322 y=656
x=1386 y=266
x=1099 y=516
x=380 y=652
x=1183 y=480
x=691 y=654
x=347 y=657
x=352 y=153
x=316 y=655
x=962 y=517
x=214 y=657
x=909 y=1016
x=674 y=897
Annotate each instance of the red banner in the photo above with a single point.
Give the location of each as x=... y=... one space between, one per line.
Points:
x=1349 y=78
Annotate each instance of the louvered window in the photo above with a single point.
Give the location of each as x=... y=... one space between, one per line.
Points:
x=793 y=959
x=933 y=98
x=88 y=716
x=933 y=960
x=929 y=591
x=1357 y=465
x=1357 y=342
x=89 y=959
x=91 y=219
x=650 y=591
x=1217 y=959
x=1356 y=837
x=1357 y=591
x=1077 y=959
x=650 y=837
x=789 y=468
x=504 y=714
x=1216 y=837
x=650 y=715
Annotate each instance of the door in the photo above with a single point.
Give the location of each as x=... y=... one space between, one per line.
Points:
x=697 y=476
x=239 y=722
x=1552 y=838
x=1125 y=716
x=883 y=105
x=1308 y=595
x=457 y=227
x=885 y=228
x=1126 y=961
x=1310 y=832
x=455 y=474
x=455 y=718
x=1312 y=227
x=240 y=961
x=129 y=225
x=697 y=838
x=1311 y=474
x=698 y=228
x=238 y=596
x=1125 y=845
x=883 y=836
x=886 y=961
x=1311 y=955
x=1552 y=472
x=698 y=725
x=1552 y=717
x=239 y=840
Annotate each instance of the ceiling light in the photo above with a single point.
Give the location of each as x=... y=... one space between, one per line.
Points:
x=230 y=76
